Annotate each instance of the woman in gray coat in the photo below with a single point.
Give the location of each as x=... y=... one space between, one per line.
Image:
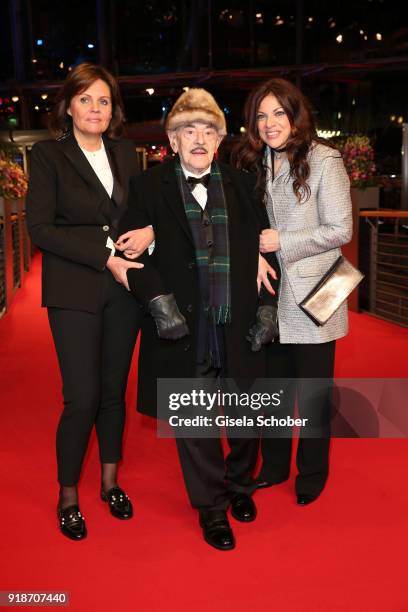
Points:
x=307 y=195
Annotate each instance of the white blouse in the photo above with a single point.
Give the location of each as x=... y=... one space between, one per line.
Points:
x=100 y=164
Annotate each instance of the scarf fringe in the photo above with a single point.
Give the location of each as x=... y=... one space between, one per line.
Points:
x=221 y=314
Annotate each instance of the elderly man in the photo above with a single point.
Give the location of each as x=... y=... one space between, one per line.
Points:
x=206 y=219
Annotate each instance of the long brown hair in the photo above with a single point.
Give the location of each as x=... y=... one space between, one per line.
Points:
x=248 y=154
x=77 y=81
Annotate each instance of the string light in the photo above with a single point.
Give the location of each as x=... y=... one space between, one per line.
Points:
x=378 y=36
x=150 y=91
x=328 y=133
x=44 y=96
x=339 y=38
x=242 y=129
x=61 y=65
x=15 y=98
x=186 y=88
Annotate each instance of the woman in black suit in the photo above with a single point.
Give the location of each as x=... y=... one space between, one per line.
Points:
x=77 y=194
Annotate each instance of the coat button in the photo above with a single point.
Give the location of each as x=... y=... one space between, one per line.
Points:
x=106 y=228
x=206 y=223
x=187 y=347
x=189 y=308
x=191 y=265
x=210 y=243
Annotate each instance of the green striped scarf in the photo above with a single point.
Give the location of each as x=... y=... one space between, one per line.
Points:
x=213 y=264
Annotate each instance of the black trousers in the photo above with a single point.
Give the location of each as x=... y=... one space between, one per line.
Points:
x=209 y=478
x=94 y=353
x=302 y=361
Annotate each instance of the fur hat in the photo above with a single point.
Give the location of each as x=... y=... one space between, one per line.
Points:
x=196 y=105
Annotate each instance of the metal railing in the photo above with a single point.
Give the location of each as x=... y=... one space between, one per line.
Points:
x=15 y=250
x=384 y=260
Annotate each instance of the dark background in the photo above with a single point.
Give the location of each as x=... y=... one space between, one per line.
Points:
x=358 y=85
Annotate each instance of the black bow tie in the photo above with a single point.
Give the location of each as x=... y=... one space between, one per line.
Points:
x=194 y=180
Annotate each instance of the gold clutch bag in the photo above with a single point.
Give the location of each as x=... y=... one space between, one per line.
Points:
x=331 y=291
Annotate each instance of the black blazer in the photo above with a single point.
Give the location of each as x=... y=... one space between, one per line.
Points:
x=155 y=199
x=70 y=216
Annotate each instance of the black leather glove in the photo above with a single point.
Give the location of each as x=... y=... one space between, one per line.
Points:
x=170 y=323
x=265 y=329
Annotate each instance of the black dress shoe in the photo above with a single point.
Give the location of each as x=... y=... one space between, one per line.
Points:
x=243 y=507
x=303 y=500
x=216 y=529
x=72 y=523
x=262 y=483
x=120 y=505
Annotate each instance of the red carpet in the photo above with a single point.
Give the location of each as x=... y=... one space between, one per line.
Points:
x=346 y=551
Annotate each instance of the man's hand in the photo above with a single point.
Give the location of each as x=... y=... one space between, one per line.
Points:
x=269 y=241
x=135 y=242
x=265 y=329
x=263 y=270
x=119 y=268
x=170 y=323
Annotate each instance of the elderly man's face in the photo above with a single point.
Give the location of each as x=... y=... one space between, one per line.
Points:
x=196 y=145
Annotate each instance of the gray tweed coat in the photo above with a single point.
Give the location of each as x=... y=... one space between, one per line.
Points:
x=311 y=234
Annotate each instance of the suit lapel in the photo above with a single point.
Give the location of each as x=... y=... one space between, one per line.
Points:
x=116 y=162
x=284 y=168
x=72 y=151
x=173 y=198
x=230 y=200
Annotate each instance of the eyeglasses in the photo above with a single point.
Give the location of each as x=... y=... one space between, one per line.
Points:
x=193 y=133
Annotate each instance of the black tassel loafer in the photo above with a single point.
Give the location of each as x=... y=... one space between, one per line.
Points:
x=72 y=522
x=120 y=505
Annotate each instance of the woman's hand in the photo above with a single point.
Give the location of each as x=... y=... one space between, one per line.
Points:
x=135 y=242
x=269 y=241
x=119 y=268
x=263 y=270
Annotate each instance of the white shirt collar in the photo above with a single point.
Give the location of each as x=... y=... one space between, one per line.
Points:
x=187 y=173
x=94 y=153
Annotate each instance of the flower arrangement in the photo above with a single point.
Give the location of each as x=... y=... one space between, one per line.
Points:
x=358 y=155
x=13 y=181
